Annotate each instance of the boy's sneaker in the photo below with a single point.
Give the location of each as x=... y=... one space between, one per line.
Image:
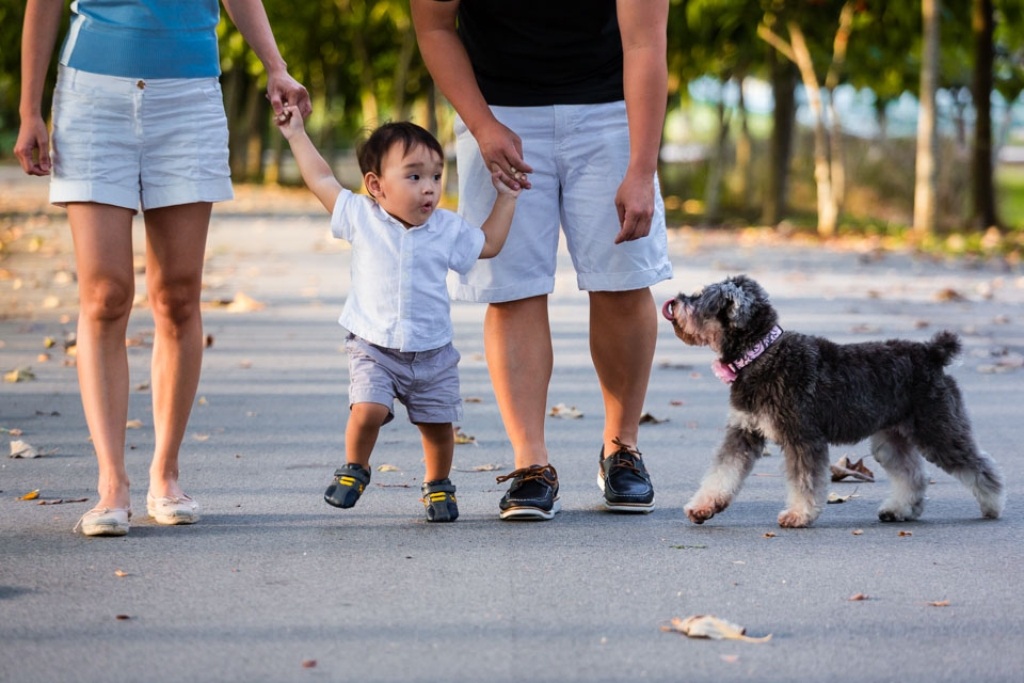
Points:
x=533 y=493
x=624 y=480
x=439 y=501
x=349 y=483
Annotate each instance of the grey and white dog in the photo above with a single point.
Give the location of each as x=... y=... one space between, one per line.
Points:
x=805 y=392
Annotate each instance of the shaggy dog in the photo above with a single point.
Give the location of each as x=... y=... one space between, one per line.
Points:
x=805 y=392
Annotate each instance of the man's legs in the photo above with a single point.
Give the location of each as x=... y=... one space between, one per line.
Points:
x=623 y=332
x=517 y=341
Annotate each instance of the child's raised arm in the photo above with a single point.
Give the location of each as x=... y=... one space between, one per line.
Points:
x=316 y=172
x=500 y=219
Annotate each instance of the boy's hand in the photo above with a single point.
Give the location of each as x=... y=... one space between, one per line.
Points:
x=500 y=181
x=289 y=121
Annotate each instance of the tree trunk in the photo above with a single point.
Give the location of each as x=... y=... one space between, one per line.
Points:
x=781 y=144
x=984 y=205
x=716 y=168
x=927 y=173
x=744 y=154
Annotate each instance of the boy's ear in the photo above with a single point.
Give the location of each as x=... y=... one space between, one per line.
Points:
x=372 y=182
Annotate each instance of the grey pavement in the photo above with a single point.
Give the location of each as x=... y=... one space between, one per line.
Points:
x=274 y=585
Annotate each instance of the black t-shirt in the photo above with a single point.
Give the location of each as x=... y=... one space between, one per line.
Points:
x=543 y=52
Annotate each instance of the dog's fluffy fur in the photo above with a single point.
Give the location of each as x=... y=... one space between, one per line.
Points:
x=806 y=392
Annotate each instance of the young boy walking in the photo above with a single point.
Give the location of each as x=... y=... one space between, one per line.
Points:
x=398 y=312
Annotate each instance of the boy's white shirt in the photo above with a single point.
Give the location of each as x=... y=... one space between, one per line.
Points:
x=399 y=294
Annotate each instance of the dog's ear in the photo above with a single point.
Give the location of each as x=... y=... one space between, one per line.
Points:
x=739 y=298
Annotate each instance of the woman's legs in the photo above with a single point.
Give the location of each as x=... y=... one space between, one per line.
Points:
x=106 y=288
x=175 y=249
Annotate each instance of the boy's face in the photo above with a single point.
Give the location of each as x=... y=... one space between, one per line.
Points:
x=409 y=185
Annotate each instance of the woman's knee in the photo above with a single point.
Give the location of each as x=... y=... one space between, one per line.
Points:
x=106 y=300
x=175 y=303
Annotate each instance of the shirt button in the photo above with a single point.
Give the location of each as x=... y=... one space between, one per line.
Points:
x=141 y=85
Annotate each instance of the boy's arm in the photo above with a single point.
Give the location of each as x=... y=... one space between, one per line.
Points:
x=316 y=172
x=497 y=225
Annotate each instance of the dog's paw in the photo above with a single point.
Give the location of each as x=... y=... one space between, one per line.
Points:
x=898 y=511
x=793 y=519
x=702 y=508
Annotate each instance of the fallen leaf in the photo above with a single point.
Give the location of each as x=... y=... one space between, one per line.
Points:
x=844 y=468
x=857 y=532
x=122 y=617
x=49 y=343
x=939 y=603
x=904 y=534
x=387 y=468
x=707 y=626
x=565 y=412
x=20 y=449
x=462 y=438
x=120 y=573
x=949 y=294
x=243 y=303
x=133 y=424
x=31 y=495
x=472 y=399
x=490 y=467
x=835 y=498
x=13 y=431
x=647 y=418
x=858 y=597
x=61 y=501
x=769 y=534
x=309 y=664
x=676 y=402
x=19 y=375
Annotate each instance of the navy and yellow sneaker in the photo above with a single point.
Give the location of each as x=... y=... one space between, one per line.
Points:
x=439 y=500
x=533 y=494
x=349 y=483
x=623 y=478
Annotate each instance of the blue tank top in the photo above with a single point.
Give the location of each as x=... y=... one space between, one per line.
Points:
x=143 y=38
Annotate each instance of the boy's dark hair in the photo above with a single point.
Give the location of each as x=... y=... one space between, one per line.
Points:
x=371 y=151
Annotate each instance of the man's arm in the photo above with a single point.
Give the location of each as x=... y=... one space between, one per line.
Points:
x=643 y=25
x=449 y=65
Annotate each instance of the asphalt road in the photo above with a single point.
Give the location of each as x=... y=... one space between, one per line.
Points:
x=274 y=585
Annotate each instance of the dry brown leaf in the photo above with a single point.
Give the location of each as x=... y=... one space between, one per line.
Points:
x=857 y=532
x=939 y=603
x=647 y=418
x=462 y=438
x=845 y=468
x=565 y=412
x=949 y=294
x=61 y=501
x=858 y=597
x=20 y=449
x=133 y=424
x=13 y=431
x=31 y=495
x=904 y=534
x=472 y=399
x=387 y=468
x=19 y=375
x=707 y=626
x=309 y=664
x=769 y=534
x=120 y=573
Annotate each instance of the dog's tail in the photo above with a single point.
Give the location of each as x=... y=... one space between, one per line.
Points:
x=943 y=347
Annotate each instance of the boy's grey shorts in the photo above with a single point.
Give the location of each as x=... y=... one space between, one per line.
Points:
x=425 y=382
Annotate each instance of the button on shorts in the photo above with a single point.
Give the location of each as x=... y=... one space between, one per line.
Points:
x=134 y=143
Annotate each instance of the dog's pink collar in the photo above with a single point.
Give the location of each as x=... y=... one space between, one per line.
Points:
x=727 y=371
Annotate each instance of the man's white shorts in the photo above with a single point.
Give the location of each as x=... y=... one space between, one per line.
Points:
x=130 y=142
x=579 y=155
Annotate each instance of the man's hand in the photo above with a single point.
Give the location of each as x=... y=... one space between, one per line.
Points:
x=502 y=151
x=635 y=204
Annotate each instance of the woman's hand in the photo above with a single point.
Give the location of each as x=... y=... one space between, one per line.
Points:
x=33 y=146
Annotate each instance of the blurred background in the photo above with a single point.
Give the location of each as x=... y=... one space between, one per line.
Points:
x=803 y=117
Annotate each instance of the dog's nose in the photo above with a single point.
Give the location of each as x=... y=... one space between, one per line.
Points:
x=666 y=310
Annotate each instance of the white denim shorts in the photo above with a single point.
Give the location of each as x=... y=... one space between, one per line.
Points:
x=131 y=142
x=426 y=382
x=579 y=155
